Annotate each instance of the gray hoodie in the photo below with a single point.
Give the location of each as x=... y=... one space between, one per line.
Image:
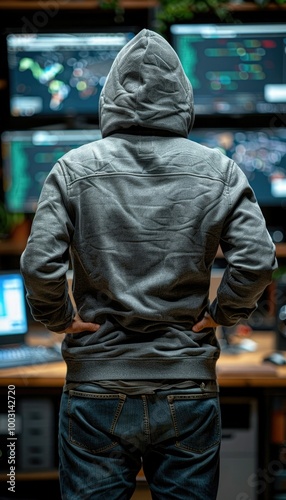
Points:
x=141 y=214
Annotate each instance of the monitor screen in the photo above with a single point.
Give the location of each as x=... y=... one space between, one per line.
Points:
x=60 y=75
x=13 y=315
x=260 y=153
x=235 y=69
x=28 y=157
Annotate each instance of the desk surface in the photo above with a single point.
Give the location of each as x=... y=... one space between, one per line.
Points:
x=245 y=369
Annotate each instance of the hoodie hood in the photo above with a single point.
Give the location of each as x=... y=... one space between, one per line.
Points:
x=147 y=87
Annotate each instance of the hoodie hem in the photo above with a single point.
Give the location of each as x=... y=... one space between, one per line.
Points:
x=138 y=369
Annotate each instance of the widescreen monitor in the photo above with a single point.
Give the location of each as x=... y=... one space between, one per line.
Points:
x=260 y=153
x=60 y=75
x=28 y=157
x=237 y=69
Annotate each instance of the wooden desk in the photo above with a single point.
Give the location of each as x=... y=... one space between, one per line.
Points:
x=245 y=369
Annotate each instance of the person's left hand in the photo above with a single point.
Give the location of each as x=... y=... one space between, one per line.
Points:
x=78 y=326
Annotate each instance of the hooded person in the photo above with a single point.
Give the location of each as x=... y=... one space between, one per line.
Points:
x=139 y=216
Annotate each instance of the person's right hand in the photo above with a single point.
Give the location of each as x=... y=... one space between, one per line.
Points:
x=206 y=322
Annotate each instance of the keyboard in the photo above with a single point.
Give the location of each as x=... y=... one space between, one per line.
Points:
x=26 y=355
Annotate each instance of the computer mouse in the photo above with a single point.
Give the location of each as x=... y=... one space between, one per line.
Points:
x=277 y=358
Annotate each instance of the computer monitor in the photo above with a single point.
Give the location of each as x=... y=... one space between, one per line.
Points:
x=60 y=74
x=28 y=157
x=260 y=153
x=237 y=69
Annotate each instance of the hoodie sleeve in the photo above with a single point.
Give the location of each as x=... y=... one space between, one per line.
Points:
x=45 y=260
x=249 y=253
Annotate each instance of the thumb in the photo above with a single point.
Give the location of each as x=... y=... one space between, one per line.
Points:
x=199 y=326
x=206 y=322
x=90 y=327
x=78 y=325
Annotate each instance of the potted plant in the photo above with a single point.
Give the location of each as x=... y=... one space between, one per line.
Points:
x=171 y=11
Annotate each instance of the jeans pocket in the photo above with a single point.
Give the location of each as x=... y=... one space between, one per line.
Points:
x=196 y=420
x=93 y=418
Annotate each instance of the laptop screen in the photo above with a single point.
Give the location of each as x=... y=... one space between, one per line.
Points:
x=13 y=313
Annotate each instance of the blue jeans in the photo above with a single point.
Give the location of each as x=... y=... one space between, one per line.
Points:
x=105 y=438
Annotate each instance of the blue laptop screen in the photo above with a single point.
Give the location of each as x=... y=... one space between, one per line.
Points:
x=13 y=315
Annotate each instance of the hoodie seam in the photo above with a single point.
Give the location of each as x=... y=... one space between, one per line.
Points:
x=144 y=175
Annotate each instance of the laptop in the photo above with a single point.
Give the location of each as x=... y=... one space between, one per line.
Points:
x=14 y=326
